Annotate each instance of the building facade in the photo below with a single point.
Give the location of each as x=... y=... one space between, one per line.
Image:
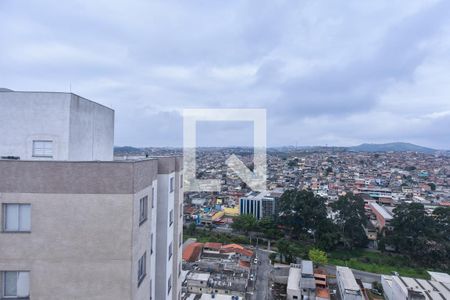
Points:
x=87 y=229
x=260 y=204
x=54 y=126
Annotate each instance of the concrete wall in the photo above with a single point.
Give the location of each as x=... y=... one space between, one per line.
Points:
x=85 y=237
x=34 y=116
x=91 y=130
x=78 y=248
x=79 y=129
x=140 y=245
x=164 y=236
x=178 y=232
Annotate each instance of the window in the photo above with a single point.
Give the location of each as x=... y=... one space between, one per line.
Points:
x=143 y=208
x=171 y=184
x=171 y=217
x=141 y=268
x=151 y=244
x=181 y=210
x=43 y=149
x=16 y=284
x=17 y=217
x=153 y=197
x=181 y=180
x=180 y=239
x=170 y=251
x=179 y=269
x=169 y=284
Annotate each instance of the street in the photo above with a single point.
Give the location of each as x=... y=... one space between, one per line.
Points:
x=262 y=277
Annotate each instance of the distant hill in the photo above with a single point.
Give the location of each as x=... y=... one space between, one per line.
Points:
x=395 y=147
x=127 y=150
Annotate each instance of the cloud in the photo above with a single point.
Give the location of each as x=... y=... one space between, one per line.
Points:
x=327 y=73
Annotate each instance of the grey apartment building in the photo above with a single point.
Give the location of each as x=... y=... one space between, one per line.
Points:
x=75 y=224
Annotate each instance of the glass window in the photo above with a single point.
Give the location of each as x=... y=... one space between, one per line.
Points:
x=181 y=180
x=16 y=284
x=169 y=284
x=170 y=251
x=43 y=149
x=143 y=209
x=171 y=217
x=171 y=184
x=17 y=217
x=141 y=268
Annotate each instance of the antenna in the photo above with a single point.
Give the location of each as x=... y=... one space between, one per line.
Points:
x=70 y=86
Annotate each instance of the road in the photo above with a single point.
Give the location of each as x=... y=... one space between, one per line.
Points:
x=262 y=277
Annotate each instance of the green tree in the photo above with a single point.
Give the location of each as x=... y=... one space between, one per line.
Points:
x=432 y=186
x=301 y=211
x=268 y=227
x=351 y=220
x=423 y=237
x=318 y=256
x=244 y=223
x=272 y=257
x=284 y=249
x=192 y=228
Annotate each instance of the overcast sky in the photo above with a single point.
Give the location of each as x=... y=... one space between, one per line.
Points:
x=328 y=72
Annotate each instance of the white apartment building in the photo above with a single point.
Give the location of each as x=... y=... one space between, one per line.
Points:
x=75 y=224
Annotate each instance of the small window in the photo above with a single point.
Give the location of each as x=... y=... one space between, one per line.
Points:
x=142 y=268
x=179 y=269
x=171 y=184
x=143 y=209
x=16 y=217
x=170 y=251
x=169 y=284
x=171 y=217
x=181 y=210
x=181 y=180
x=180 y=239
x=43 y=149
x=16 y=284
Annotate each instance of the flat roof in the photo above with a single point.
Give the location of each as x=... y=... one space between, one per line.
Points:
x=307 y=267
x=430 y=289
x=294 y=278
x=347 y=278
x=439 y=276
x=199 y=276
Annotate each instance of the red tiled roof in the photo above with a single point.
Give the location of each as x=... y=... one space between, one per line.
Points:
x=211 y=245
x=192 y=252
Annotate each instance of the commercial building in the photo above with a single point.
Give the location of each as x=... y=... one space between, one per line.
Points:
x=260 y=204
x=348 y=287
x=75 y=224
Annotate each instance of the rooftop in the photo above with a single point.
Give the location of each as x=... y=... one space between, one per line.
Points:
x=347 y=278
